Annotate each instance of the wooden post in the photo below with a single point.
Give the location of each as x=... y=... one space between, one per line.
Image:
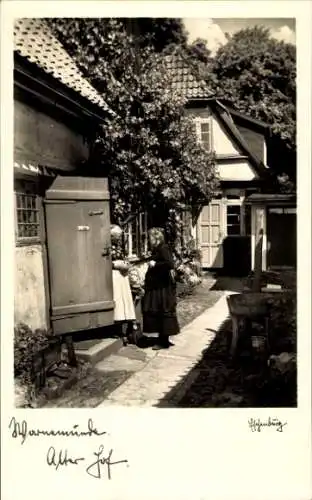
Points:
x=72 y=360
x=256 y=285
x=235 y=334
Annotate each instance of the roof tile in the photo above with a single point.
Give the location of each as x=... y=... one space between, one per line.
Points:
x=183 y=79
x=34 y=41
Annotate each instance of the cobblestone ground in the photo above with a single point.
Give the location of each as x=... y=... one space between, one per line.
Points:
x=96 y=384
x=162 y=372
x=214 y=381
x=196 y=372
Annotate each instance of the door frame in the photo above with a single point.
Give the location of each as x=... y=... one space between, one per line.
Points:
x=224 y=202
x=45 y=263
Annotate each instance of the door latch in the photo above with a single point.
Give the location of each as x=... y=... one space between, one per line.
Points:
x=106 y=252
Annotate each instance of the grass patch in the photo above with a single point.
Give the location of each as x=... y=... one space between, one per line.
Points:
x=89 y=391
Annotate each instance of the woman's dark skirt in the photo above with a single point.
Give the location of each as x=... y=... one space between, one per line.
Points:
x=159 y=312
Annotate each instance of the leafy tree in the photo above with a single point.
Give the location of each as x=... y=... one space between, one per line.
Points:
x=200 y=51
x=158 y=33
x=148 y=150
x=257 y=75
x=199 y=58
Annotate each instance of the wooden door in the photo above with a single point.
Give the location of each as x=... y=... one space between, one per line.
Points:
x=78 y=247
x=211 y=234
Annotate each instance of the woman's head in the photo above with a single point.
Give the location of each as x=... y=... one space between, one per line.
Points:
x=156 y=236
x=116 y=232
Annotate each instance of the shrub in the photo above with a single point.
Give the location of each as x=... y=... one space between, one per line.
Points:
x=283 y=321
x=26 y=343
x=184 y=289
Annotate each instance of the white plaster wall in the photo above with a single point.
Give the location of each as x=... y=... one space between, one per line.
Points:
x=222 y=144
x=29 y=300
x=236 y=171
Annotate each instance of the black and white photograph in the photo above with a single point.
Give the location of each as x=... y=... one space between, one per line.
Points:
x=156 y=249
x=155 y=209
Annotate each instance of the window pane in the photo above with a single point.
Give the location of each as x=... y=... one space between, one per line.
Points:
x=127 y=244
x=233 y=219
x=233 y=209
x=205 y=139
x=134 y=237
x=27 y=214
x=126 y=239
x=205 y=127
x=205 y=136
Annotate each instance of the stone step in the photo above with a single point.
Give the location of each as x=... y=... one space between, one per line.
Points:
x=99 y=350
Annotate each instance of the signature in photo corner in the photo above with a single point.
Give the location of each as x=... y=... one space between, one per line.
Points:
x=62 y=458
x=257 y=425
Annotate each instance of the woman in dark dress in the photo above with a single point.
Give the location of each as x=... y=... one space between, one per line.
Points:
x=159 y=301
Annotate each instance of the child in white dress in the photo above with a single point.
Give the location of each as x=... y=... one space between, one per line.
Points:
x=124 y=312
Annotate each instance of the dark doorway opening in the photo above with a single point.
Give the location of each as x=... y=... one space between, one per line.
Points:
x=281 y=236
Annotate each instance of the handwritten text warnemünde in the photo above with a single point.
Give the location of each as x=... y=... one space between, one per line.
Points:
x=21 y=430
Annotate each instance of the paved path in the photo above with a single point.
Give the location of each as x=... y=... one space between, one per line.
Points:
x=155 y=373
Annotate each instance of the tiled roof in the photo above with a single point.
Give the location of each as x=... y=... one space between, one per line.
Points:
x=34 y=41
x=184 y=78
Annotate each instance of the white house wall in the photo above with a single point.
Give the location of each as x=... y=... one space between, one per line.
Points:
x=221 y=142
x=223 y=145
x=236 y=171
x=29 y=297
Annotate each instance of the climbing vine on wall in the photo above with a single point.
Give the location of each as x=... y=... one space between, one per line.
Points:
x=148 y=149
